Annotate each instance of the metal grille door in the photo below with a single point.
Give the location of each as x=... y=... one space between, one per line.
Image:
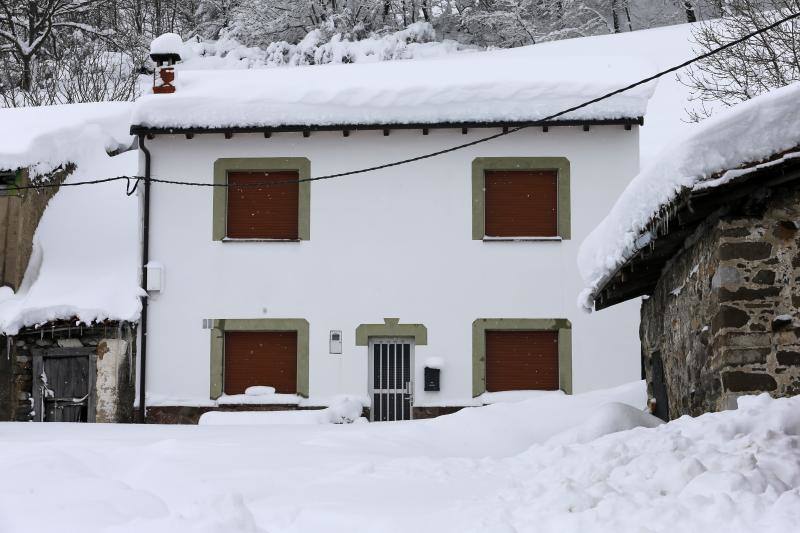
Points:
x=391 y=363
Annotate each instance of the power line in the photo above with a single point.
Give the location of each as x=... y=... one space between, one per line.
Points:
x=437 y=153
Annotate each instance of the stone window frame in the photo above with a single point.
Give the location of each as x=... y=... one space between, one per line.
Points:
x=479 y=167
x=481 y=325
x=220 y=326
x=261 y=164
x=391 y=327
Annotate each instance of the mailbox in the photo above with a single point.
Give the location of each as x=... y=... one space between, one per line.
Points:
x=432 y=379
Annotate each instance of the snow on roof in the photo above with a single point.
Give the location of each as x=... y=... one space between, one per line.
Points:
x=85 y=256
x=49 y=136
x=748 y=133
x=168 y=43
x=490 y=86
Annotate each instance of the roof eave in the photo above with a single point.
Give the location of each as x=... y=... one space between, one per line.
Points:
x=138 y=129
x=639 y=274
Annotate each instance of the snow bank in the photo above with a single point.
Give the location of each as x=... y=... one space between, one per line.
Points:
x=514 y=396
x=85 y=261
x=748 y=133
x=736 y=471
x=345 y=410
x=481 y=86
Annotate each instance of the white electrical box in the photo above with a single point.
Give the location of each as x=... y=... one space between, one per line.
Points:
x=155 y=276
x=336 y=342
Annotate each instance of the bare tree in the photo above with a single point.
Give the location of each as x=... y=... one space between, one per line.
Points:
x=26 y=26
x=748 y=69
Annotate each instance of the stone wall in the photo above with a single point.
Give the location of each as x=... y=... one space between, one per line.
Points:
x=113 y=346
x=723 y=318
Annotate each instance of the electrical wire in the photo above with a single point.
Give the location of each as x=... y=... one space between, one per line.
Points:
x=437 y=153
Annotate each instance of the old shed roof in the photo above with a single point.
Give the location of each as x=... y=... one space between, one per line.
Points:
x=754 y=145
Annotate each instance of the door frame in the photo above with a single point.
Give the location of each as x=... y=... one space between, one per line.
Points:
x=371 y=341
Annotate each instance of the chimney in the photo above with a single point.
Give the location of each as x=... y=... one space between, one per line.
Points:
x=165 y=52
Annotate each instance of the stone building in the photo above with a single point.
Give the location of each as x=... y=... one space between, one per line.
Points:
x=69 y=297
x=718 y=267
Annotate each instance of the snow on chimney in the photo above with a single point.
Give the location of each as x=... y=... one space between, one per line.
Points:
x=165 y=52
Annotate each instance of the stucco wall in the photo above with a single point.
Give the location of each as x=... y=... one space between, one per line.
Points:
x=716 y=318
x=394 y=243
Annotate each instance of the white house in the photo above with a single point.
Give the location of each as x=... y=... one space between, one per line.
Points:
x=464 y=262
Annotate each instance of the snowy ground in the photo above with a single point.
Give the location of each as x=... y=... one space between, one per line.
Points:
x=538 y=465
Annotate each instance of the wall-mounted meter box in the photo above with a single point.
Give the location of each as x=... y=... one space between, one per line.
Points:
x=155 y=276
x=336 y=342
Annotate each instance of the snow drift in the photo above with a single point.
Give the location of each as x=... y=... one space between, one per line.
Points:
x=736 y=471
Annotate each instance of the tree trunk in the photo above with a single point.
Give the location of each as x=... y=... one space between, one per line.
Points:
x=615 y=15
x=27 y=74
x=691 y=16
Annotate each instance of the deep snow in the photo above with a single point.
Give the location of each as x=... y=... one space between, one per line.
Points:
x=498 y=85
x=558 y=463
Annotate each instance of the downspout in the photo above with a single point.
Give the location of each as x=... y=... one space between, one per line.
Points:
x=145 y=260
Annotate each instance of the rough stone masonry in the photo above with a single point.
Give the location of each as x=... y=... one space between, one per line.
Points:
x=723 y=321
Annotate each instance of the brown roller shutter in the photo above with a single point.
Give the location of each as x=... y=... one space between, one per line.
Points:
x=269 y=212
x=260 y=358
x=521 y=360
x=521 y=203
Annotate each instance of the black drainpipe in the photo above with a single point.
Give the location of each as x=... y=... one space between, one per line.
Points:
x=145 y=260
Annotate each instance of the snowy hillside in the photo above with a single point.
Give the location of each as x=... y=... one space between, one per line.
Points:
x=554 y=463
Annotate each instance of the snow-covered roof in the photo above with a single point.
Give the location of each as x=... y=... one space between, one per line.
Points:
x=85 y=259
x=495 y=86
x=747 y=134
x=49 y=136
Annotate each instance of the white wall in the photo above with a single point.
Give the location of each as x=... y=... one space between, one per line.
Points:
x=393 y=243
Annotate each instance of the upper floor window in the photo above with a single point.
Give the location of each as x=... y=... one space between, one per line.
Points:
x=521 y=198
x=263 y=205
x=264 y=199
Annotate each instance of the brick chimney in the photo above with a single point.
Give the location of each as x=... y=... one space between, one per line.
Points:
x=165 y=52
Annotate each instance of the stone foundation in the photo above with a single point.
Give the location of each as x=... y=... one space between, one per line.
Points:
x=184 y=414
x=723 y=320
x=433 y=412
x=111 y=347
x=174 y=414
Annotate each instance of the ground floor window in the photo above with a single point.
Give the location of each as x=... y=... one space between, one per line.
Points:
x=521 y=354
x=260 y=358
x=248 y=352
x=521 y=360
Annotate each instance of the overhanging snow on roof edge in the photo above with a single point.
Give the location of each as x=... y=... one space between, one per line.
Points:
x=146 y=130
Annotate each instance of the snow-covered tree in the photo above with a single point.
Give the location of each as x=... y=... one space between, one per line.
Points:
x=26 y=26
